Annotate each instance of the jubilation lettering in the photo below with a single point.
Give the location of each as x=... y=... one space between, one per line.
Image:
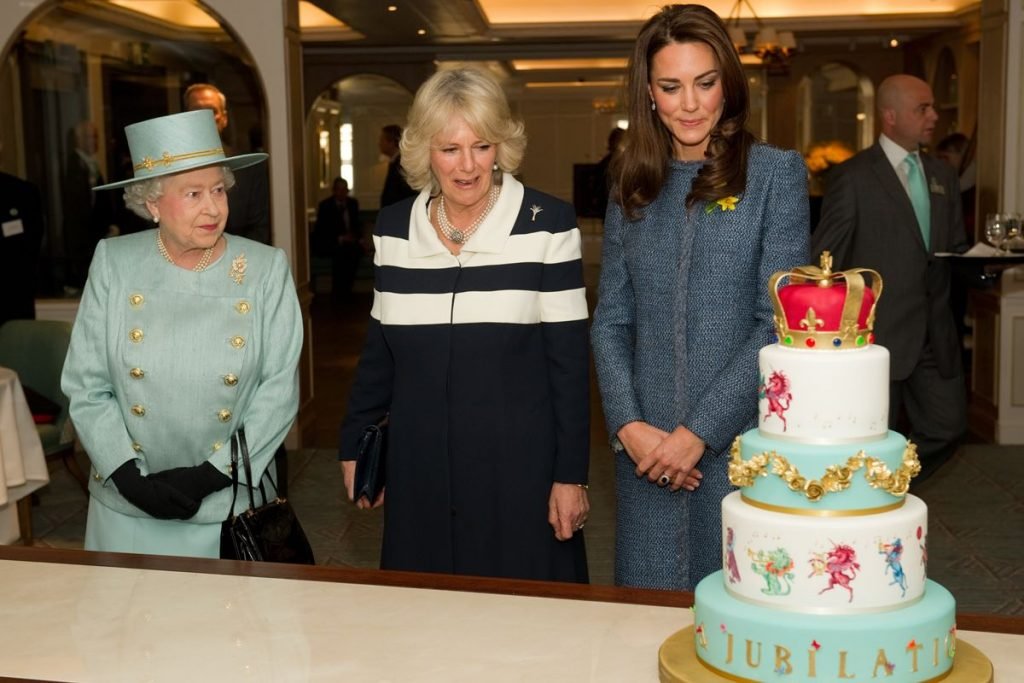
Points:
x=782 y=660
x=935 y=655
x=752 y=664
x=914 y=647
x=842 y=665
x=881 y=661
x=812 y=671
x=728 y=649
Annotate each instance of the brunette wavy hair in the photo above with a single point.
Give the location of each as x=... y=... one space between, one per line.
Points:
x=639 y=171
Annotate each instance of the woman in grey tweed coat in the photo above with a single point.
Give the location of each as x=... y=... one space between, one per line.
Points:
x=701 y=215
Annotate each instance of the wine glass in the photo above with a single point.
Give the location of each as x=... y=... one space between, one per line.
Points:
x=995 y=230
x=1013 y=231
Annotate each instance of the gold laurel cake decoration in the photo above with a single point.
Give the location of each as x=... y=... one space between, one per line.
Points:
x=806 y=333
x=836 y=477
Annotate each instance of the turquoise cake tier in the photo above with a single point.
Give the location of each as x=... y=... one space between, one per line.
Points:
x=748 y=642
x=862 y=472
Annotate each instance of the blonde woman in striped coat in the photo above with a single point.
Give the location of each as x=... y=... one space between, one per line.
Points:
x=477 y=350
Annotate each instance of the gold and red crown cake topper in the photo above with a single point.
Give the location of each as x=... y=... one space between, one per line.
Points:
x=812 y=312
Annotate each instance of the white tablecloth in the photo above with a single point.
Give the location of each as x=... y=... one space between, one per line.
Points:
x=106 y=624
x=22 y=463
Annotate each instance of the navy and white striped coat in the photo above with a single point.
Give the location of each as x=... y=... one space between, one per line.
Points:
x=481 y=360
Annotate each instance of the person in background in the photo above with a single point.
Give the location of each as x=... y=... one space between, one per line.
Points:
x=614 y=141
x=892 y=208
x=88 y=217
x=184 y=335
x=22 y=226
x=477 y=351
x=338 y=235
x=700 y=217
x=250 y=205
x=955 y=150
x=395 y=186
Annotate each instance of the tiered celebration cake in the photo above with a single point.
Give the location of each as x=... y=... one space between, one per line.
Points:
x=824 y=552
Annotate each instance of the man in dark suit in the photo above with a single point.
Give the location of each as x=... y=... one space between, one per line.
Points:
x=21 y=235
x=88 y=216
x=395 y=187
x=248 y=200
x=337 y=235
x=893 y=209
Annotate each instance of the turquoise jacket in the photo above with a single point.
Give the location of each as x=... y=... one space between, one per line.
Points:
x=165 y=363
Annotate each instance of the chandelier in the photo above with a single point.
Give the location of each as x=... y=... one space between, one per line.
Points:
x=773 y=48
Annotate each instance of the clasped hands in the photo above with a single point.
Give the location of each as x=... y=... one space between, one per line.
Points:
x=665 y=458
x=176 y=493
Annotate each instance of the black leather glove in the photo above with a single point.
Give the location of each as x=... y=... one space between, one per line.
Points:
x=195 y=482
x=156 y=498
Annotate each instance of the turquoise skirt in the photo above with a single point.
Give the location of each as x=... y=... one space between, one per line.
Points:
x=110 y=531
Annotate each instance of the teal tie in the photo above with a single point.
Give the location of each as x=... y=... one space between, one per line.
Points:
x=918 y=189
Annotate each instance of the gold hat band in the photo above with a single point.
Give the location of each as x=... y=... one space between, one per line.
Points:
x=167 y=159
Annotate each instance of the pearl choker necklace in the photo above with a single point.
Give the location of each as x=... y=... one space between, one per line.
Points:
x=455 y=234
x=201 y=265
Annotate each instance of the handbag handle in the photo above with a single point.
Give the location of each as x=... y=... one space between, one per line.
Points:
x=239 y=444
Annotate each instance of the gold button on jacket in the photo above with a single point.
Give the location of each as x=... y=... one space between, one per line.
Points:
x=135 y=335
x=230 y=380
x=137 y=373
x=138 y=410
x=224 y=415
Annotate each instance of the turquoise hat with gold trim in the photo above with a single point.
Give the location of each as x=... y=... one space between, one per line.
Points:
x=175 y=143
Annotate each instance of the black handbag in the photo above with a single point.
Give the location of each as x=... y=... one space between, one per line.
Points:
x=269 y=533
x=371 y=461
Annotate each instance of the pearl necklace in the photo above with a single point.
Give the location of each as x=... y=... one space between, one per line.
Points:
x=201 y=265
x=455 y=234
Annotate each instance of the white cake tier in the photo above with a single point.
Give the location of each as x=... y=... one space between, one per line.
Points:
x=834 y=565
x=824 y=396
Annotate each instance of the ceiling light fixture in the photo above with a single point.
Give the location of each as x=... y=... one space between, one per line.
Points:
x=774 y=48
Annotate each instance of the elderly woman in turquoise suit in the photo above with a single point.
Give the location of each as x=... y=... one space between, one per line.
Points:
x=700 y=216
x=184 y=334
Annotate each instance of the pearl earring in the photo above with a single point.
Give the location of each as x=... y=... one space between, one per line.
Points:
x=654 y=107
x=156 y=219
x=495 y=167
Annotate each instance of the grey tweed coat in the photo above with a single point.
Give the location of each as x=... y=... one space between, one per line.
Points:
x=683 y=309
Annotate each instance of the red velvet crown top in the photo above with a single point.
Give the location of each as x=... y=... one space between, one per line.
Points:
x=819 y=309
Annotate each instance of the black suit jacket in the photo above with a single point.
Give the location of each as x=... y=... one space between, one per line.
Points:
x=19 y=247
x=395 y=187
x=249 y=204
x=332 y=222
x=867 y=220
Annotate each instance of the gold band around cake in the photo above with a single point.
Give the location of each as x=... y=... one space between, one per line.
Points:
x=822 y=513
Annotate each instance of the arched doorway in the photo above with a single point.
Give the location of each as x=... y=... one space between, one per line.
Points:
x=73 y=79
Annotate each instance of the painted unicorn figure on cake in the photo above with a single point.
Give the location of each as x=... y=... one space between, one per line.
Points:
x=840 y=564
x=893 y=561
x=776 y=391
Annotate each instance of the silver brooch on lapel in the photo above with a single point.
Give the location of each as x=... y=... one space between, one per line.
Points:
x=935 y=187
x=535 y=209
x=238 y=265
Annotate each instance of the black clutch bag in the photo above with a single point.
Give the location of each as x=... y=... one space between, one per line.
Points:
x=371 y=461
x=268 y=533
